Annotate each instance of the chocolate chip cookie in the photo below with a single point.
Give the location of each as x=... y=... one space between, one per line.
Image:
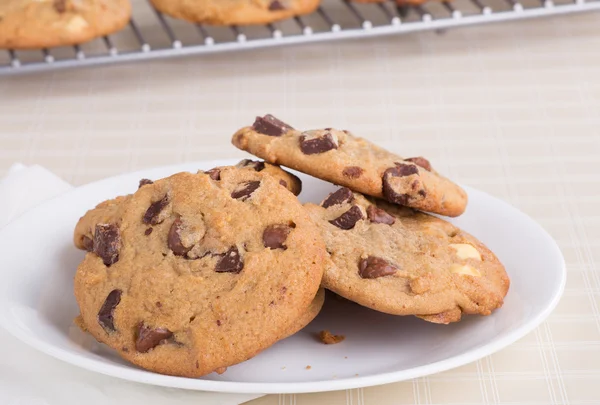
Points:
x=344 y=159
x=400 y=261
x=235 y=12
x=191 y=274
x=48 y=23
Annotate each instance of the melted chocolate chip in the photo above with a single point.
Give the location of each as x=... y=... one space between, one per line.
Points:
x=152 y=215
x=348 y=219
x=144 y=182
x=374 y=267
x=269 y=125
x=403 y=170
x=379 y=216
x=106 y=313
x=88 y=243
x=107 y=242
x=399 y=170
x=274 y=236
x=174 y=239
x=341 y=196
x=276 y=5
x=244 y=191
x=317 y=145
x=256 y=165
x=353 y=172
x=148 y=231
x=149 y=338
x=230 y=262
x=214 y=174
x=283 y=183
x=420 y=161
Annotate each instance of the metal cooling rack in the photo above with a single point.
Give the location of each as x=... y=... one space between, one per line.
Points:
x=334 y=20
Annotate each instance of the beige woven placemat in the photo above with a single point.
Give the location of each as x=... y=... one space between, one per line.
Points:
x=512 y=109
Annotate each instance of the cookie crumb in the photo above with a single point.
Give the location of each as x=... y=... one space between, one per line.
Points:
x=283 y=368
x=308 y=367
x=330 y=339
x=78 y=321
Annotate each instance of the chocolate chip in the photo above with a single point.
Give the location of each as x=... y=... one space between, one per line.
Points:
x=144 y=182
x=276 y=6
x=148 y=231
x=403 y=170
x=244 y=191
x=152 y=215
x=283 y=183
x=106 y=313
x=149 y=338
x=320 y=144
x=374 y=267
x=420 y=161
x=256 y=165
x=60 y=6
x=354 y=172
x=341 y=196
x=88 y=243
x=214 y=174
x=379 y=216
x=230 y=262
x=174 y=239
x=274 y=236
x=348 y=219
x=399 y=170
x=269 y=125
x=107 y=242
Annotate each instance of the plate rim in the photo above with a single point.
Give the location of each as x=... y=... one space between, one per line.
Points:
x=148 y=377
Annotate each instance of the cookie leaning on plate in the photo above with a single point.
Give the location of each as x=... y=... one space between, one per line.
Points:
x=48 y=23
x=396 y=260
x=235 y=12
x=341 y=158
x=190 y=274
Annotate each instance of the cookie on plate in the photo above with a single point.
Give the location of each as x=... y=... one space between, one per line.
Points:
x=235 y=12
x=286 y=179
x=47 y=23
x=190 y=274
x=400 y=261
x=341 y=158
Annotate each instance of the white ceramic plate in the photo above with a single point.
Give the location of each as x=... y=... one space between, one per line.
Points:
x=37 y=303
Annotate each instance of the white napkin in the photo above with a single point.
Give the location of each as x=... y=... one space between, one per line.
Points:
x=28 y=377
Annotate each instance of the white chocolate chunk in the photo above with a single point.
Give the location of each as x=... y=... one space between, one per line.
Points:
x=464 y=269
x=466 y=251
x=77 y=23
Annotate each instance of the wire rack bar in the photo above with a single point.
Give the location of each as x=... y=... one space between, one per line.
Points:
x=452 y=16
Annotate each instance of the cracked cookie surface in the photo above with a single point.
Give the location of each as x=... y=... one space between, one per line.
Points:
x=344 y=159
x=190 y=274
x=396 y=260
